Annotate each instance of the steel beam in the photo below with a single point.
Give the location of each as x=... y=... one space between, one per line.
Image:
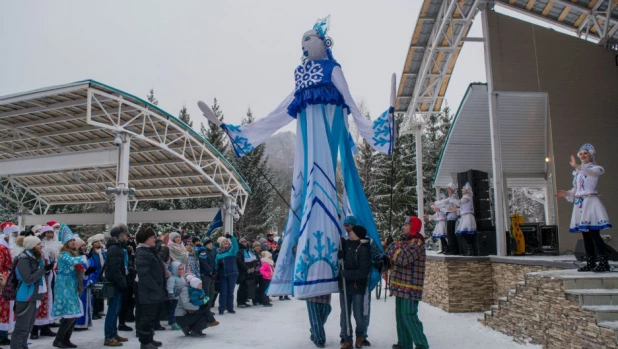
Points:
x=59 y=162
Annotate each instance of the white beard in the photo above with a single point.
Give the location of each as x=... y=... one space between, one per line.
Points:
x=15 y=250
x=51 y=249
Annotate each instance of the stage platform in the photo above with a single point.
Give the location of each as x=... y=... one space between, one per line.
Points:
x=473 y=284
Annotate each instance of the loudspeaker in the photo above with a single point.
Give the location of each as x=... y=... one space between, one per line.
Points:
x=532 y=235
x=549 y=239
x=486 y=243
x=479 y=181
x=580 y=251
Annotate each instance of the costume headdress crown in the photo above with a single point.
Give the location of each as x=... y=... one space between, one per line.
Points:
x=588 y=147
x=468 y=187
x=321 y=27
x=65 y=234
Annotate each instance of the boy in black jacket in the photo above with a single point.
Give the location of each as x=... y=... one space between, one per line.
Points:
x=355 y=256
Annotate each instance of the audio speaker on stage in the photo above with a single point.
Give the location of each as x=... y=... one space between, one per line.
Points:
x=486 y=243
x=580 y=251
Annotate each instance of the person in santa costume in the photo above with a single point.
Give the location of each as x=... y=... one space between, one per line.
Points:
x=7 y=317
x=50 y=249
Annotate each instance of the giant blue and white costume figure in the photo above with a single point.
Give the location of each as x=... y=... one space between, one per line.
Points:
x=319 y=103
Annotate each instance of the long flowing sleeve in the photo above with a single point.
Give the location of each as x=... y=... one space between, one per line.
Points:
x=380 y=134
x=247 y=137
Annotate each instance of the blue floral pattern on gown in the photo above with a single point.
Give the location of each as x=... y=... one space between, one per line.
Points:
x=66 y=301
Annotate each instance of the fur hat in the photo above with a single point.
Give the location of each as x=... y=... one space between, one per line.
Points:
x=30 y=242
x=9 y=228
x=94 y=238
x=256 y=244
x=195 y=282
x=173 y=236
x=220 y=239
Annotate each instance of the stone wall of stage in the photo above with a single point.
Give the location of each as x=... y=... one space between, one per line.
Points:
x=539 y=312
x=458 y=284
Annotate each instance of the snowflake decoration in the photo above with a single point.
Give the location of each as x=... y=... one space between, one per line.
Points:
x=308 y=74
x=325 y=253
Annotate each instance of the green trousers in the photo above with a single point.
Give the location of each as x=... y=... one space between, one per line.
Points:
x=409 y=327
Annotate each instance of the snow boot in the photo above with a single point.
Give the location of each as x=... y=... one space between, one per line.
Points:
x=366 y=343
x=602 y=265
x=35 y=332
x=590 y=264
x=359 y=342
x=47 y=332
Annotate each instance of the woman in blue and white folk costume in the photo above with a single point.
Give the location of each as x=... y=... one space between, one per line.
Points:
x=589 y=215
x=466 y=227
x=319 y=103
x=439 y=216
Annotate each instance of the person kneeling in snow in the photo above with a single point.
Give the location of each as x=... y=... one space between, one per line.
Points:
x=407 y=259
x=192 y=312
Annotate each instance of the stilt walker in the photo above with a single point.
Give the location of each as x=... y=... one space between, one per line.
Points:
x=589 y=215
x=467 y=223
x=320 y=103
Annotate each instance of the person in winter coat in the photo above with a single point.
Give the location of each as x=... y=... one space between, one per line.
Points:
x=407 y=260
x=85 y=321
x=208 y=269
x=257 y=251
x=67 y=305
x=116 y=273
x=355 y=255
x=50 y=249
x=270 y=241
x=192 y=311
x=267 y=269
x=228 y=272
x=128 y=301
x=96 y=257
x=247 y=268
x=151 y=291
x=31 y=270
x=175 y=283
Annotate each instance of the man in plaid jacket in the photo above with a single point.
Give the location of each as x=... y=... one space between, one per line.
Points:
x=407 y=260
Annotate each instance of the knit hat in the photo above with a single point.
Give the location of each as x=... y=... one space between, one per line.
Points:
x=350 y=220
x=270 y=233
x=220 y=239
x=173 y=236
x=65 y=234
x=30 y=242
x=266 y=254
x=195 y=282
x=256 y=244
x=79 y=242
x=207 y=241
x=359 y=231
x=9 y=228
x=415 y=224
x=36 y=229
x=115 y=232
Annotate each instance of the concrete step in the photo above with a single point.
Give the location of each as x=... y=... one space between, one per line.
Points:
x=612 y=325
x=603 y=312
x=593 y=296
x=591 y=280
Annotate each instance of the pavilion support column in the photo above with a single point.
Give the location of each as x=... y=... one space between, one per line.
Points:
x=122 y=181
x=496 y=148
x=420 y=193
x=228 y=216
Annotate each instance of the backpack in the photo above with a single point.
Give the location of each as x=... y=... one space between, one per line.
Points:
x=9 y=292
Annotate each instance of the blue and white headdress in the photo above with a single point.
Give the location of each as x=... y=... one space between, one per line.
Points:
x=65 y=234
x=468 y=187
x=590 y=150
x=321 y=27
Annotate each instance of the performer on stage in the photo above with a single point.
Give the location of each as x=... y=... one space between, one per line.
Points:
x=467 y=223
x=450 y=210
x=439 y=231
x=320 y=102
x=589 y=215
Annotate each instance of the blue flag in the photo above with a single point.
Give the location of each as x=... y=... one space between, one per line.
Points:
x=216 y=223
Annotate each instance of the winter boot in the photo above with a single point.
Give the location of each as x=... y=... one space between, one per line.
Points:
x=35 y=332
x=47 y=332
x=590 y=264
x=602 y=264
x=359 y=342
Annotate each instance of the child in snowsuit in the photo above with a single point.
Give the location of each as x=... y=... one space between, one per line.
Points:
x=266 y=270
x=175 y=284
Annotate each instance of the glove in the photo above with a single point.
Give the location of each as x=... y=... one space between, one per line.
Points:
x=386 y=261
x=90 y=270
x=50 y=266
x=228 y=236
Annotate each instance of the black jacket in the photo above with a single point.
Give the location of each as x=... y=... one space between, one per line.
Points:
x=115 y=270
x=150 y=275
x=356 y=265
x=246 y=271
x=206 y=258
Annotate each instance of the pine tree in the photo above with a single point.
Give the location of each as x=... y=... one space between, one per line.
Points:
x=151 y=98
x=184 y=116
x=213 y=133
x=259 y=213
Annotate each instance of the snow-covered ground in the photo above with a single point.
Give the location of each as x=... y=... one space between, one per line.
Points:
x=286 y=325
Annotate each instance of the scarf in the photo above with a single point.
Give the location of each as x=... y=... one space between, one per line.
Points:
x=223 y=249
x=178 y=252
x=42 y=283
x=99 y=251
x=268 y=260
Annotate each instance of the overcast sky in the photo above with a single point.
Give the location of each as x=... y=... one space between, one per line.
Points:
x=241 y=52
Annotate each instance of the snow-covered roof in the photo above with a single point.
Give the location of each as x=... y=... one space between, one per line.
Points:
x=522 y=119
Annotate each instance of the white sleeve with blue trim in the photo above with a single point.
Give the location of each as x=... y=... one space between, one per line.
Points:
x=380 y=134
x=245 y=138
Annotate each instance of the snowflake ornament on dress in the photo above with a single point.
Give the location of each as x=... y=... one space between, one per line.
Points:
x=308 y=74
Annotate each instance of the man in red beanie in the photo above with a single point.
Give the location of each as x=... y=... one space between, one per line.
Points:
x=407 y=259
